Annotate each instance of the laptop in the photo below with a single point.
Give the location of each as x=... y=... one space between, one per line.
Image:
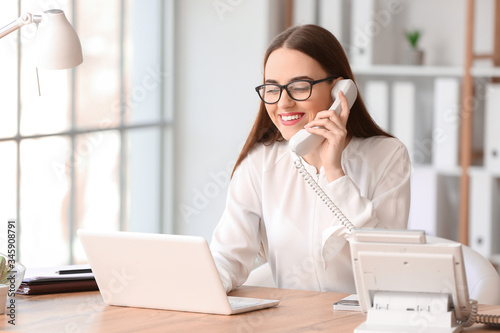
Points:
x=160 y=271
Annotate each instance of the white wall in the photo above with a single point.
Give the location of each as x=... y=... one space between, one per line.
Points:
x=219 y=49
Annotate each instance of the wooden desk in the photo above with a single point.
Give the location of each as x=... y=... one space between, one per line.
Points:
x=299 y=311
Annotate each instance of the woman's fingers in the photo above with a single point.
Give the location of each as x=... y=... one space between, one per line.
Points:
x=344 y=114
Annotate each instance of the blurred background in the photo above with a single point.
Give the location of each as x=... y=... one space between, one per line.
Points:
x=143 y=135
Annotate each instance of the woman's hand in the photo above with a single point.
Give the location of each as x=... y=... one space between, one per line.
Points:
x=335 y=132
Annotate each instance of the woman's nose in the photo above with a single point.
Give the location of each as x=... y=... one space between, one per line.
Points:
x=285 y=101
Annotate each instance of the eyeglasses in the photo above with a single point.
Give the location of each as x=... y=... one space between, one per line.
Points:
x=299 y=90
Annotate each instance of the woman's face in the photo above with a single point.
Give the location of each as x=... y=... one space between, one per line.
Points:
x=284 y=66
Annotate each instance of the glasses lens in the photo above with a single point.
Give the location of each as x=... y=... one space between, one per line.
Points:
x=299 y=90
x=270 y=93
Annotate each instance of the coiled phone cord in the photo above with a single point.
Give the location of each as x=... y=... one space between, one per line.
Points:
x=323 y=196
x=480 y=318
x=472 y=316
x=490 y=320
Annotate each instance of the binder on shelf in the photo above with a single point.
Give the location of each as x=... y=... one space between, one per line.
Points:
x=360 y=50
x=403 y=114
x=334 y=15
x=375 y=32
x=447 y=201
x=484 y=226
x=377 y=101
x=446 y=123
x=304 y=12
x=423 y=205
x=491 y=131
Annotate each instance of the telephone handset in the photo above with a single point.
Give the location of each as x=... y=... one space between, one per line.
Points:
x=303 y=142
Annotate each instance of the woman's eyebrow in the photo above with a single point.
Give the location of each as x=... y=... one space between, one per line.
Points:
x=303 y=77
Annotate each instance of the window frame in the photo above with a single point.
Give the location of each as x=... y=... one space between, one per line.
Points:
x=164 y=124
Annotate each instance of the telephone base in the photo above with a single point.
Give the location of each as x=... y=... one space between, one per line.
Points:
x=410 y=312
x=370 y=328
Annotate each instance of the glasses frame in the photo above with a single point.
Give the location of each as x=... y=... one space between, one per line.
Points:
x=285 y=86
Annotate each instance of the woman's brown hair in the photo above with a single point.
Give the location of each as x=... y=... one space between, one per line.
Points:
x=321 y=45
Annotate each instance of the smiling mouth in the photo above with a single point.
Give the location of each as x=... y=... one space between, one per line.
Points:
x=290 y=119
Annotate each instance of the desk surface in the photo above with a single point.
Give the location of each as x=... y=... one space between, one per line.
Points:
x=298 y=311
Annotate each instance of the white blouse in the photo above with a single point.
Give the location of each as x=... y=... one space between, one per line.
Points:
x=270 y=203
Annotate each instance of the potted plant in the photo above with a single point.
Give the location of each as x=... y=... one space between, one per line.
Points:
x=11 y=277
x=412 y=55
x=5 y=274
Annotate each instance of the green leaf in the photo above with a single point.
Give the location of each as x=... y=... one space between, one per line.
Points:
x=413 y=37
x=4 y=270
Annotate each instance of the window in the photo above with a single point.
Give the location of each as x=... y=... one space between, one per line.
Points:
x=94 y=150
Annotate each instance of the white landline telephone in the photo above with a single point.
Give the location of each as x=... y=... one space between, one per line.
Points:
x=463 y=315
x=303 y=142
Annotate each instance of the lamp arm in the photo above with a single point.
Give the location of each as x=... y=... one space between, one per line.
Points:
x=26 y=18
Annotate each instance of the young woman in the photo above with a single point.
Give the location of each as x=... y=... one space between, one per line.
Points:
x=271 y=209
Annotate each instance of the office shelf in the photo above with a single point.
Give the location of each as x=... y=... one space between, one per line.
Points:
x=453 y=184
x=424 y=71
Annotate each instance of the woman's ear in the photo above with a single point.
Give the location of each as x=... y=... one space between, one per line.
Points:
x=337 y=80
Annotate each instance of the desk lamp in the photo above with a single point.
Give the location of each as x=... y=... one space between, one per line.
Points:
x=57 y=43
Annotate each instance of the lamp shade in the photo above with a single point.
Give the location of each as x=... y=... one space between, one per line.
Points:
x=58 y=45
